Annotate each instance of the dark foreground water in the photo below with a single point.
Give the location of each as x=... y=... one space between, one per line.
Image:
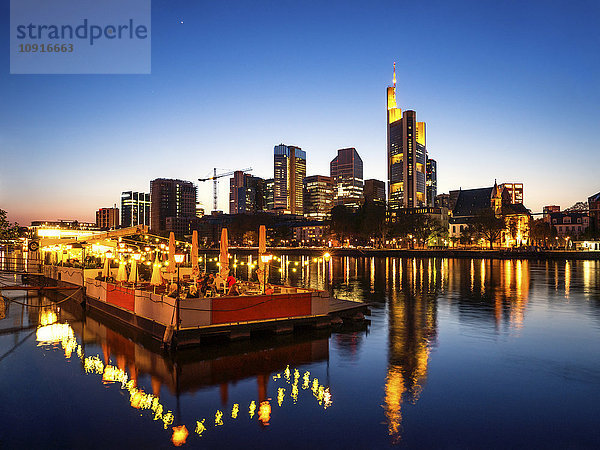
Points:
x=459 y=354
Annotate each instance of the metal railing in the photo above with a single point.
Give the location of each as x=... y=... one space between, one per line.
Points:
x=20 y=263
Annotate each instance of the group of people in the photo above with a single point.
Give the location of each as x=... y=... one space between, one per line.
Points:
x=208 y=284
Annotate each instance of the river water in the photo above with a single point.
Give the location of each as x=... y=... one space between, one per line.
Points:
x=458 y=354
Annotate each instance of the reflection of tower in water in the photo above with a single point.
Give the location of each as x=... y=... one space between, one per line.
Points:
x=412 y=333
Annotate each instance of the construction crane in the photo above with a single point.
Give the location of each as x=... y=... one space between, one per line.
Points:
x=215 y=178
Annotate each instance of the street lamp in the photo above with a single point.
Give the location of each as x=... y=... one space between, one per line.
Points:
x=178 y=260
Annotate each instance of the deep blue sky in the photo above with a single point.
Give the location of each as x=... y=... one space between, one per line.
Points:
x=509 y=90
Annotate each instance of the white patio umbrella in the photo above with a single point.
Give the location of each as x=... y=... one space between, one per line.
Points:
x=122 y=273
x=194 y=255
x=156 y=279
x=171 y=268
x=133 y=274
x=106 y=268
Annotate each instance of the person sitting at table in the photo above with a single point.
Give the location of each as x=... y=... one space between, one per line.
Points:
x=210 y=283
x=220 y=283
x=193 y=291
x=172 y=290
x=234 y=289
x=203 y=283
x=230 y=281
x=269 y=289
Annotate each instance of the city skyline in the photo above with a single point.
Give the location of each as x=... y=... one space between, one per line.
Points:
x=488 y=93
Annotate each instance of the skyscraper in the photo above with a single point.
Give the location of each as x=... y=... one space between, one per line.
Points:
x=246 y=193
x=135 y=209
x=107 y=218
x=406 y=155
x=289 y=173
x=173 y=205
x=318 y=197
x=431 y=181
x=374 y=191
x=346 y=171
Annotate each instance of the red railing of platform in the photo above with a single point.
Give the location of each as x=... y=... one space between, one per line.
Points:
x=259 y=307
x=121 y=296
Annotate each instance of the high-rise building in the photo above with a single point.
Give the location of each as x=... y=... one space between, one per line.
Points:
x=318 y=197
x=431 y=181
x=374 y=191
x=135 y=209
x=406 y=156
x=246 y=193
x=289 y=173
x=107 y=218
x=346 y=171
x=269 y=194
x=515 y=190
x=174 y=200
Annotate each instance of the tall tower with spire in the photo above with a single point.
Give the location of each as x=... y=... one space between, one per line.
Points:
x=406 y=156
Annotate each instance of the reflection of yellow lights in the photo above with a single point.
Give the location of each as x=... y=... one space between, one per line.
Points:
x=218 y=418
x=167 y=419
x=306 y=380
x=235 y=410
x=252 y=408
x=287 y=373
x=55 y=333
x=327 y=401
x=294 y=393
x=315 y=386
x=200 y=428
x=179 y=436
x=47 y=317
x=264 y=412
x=280 y=396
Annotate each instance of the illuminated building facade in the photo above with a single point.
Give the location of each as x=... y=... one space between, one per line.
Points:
x=135 y=209
x=173 y=205
x=346 y=171
x=431 y=181
x=318 y=197
x=470 y=203
x=569 y=223
x=289 y=173
x=246 y=193
x=406 y=156
x=107 y=218
x=269 y=194
x=515 y=190
x=374 y=191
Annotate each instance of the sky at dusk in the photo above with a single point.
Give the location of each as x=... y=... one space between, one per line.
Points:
x=509 y=91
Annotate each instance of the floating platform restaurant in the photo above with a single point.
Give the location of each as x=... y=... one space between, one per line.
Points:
x=182 y=320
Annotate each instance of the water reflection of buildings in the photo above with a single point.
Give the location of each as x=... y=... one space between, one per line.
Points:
x=490 y=289
x=413 y=285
